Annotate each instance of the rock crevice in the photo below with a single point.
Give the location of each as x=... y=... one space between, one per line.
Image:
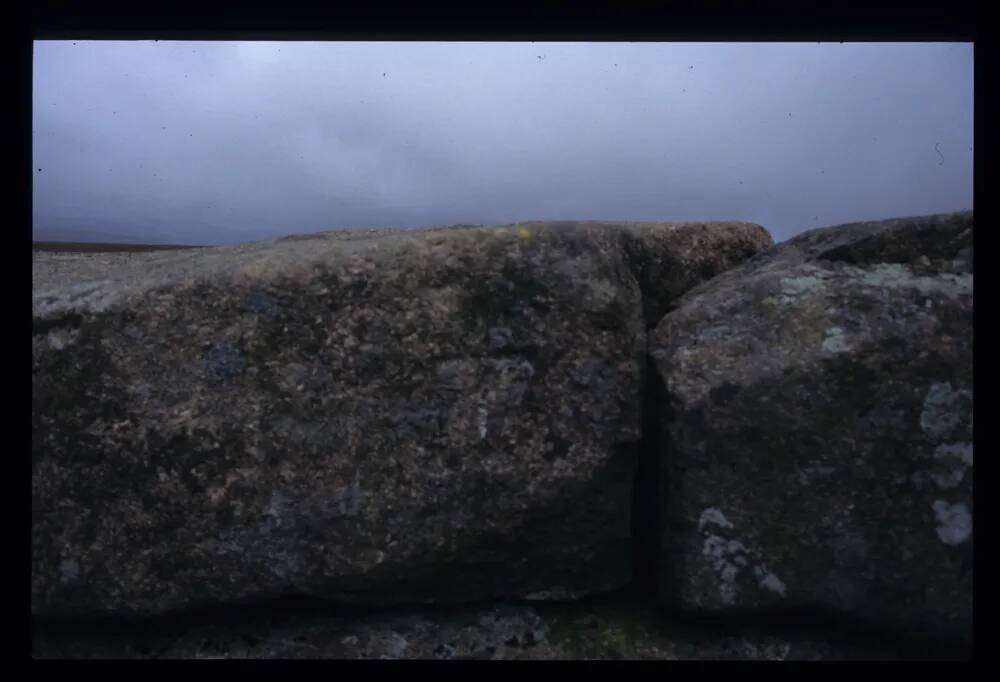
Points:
x=446 y=415
x=680 y=412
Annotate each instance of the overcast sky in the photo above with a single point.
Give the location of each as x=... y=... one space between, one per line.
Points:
x=220 y=142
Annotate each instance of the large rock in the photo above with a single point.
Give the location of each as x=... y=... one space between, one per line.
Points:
x=442 y=415
x=818 y=420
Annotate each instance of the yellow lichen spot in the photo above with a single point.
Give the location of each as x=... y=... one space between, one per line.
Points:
x=523 y=232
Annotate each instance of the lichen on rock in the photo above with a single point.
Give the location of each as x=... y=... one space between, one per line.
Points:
x=421 y=416
x=833 y=417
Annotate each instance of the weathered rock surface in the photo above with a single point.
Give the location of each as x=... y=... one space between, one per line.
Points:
x=443 y=415
x=819 y=429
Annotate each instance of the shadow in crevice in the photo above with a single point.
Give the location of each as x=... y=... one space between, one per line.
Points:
x=647 y=530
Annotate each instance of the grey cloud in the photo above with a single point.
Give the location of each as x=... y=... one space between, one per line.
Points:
x=221 y=142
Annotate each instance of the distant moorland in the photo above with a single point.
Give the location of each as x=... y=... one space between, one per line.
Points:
x=97 y=247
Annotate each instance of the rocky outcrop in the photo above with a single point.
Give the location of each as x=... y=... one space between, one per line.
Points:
x=818 y=448
x=505 y=413
x=435 y=416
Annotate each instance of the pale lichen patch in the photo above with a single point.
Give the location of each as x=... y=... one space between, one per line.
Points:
x=895 y=275
x=769 y=581
x=483 y=416
x=835 y=341
x=394 y=646
x=61 y=338
x=954 y=522
x=941 y=410
x=69 y=569
x=953 y=461
x=798 y=286
x=350 y=499
x=948 y=479
x=215 y=495
x=727 y=558
x=714 y=516
x=959 y=451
